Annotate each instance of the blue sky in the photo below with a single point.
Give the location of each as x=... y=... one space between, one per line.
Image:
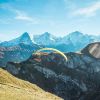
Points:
x=58 y=17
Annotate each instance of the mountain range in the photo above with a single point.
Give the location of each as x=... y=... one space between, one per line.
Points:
x=74 y=79
x=72 y=42
x=21 y=48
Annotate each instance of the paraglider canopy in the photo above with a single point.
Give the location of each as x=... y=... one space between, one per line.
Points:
x=52 y=49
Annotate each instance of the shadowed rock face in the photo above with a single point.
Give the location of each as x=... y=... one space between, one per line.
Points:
x=71 y=80
x=92 y=95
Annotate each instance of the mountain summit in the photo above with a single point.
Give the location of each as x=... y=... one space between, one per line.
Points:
x=45 y=39
x=24 y=38
x=17 y=50
x=76 y=33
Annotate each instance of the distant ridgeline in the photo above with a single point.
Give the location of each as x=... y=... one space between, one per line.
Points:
x=72 y=42
x=21 y=48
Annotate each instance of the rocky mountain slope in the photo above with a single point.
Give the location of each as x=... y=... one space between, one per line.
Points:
x=17 y=50
x=71 y=80
x=12 y=88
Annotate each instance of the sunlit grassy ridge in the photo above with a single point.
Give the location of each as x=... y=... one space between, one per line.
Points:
x=12 y=88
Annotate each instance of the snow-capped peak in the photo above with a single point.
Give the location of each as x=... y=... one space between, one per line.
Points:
x=74 y=41
x=45 y=39
x=76 y=33
x=24 y=38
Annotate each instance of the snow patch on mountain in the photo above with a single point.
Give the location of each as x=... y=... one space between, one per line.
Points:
x=23 y=39
x=72 y=42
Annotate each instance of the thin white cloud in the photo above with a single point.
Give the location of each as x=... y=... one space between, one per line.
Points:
x=88 y=11
x=22 y=15
x=19 y=14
